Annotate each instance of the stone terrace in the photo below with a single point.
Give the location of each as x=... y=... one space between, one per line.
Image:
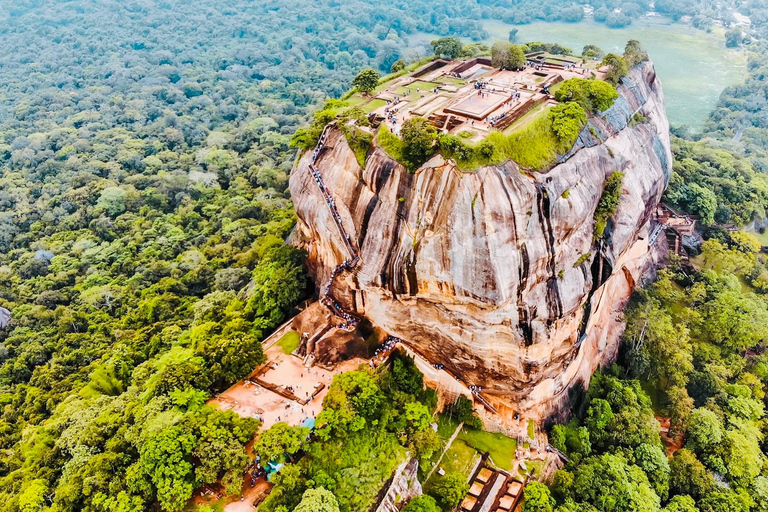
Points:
x=472 y=96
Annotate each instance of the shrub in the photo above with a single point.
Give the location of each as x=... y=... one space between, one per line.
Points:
x=637 y=119
x=584 y=257
x=608 y=202
x=617 y=67
x=566 y=120
x=592 y=95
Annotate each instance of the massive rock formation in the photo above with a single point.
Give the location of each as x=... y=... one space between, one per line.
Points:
x=485 y=271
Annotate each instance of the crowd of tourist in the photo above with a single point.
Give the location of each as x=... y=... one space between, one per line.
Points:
x=350 y=321
x=382 y=353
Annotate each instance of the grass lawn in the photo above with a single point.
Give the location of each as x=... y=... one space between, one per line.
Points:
x=372 y=105
x=500 y=447
x=531 y=429
x=450 y=80
x=554 y=88
x=414 y=87
x=460 y=458
x=520 y=122
x=289 y=342
x=355 y=101
x=535 y=467
x=446 y=426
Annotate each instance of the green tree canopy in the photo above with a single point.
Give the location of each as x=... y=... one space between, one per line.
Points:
x=418 y=136
x=449 y=490
x=279 y=440
x=424 y=503
x=317 y=500
x=617 y=68
x=447 y=47
x=538 y=498
x=366 y=80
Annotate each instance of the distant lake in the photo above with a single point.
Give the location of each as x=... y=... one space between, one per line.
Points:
x=694 y=66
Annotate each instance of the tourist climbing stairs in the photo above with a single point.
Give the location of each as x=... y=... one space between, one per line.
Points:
x=350 y=321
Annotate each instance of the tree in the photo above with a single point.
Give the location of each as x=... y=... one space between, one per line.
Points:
x=406 y=375
x=634 y=53
x=165 y=459
x=500 y=53
x=507 y=55
x=610 y=484
x=617 y=68
x=449 y=490
x=512 y=38
x=688 y=475
x=32 y=496
x=113 y=200
x=592 y=52
x=398 y=65
x=699 y=201
x=608 y=203
x=566 y=120
x=682 y=503
x=733 y=38
x=317 y=500
x=653 y=460
x=279 y=282
x=735 y=321
x=725 y=501
x=424 y=503
x=760 y=494
x=423 y=443
x=279 y=440
x=571 y=506
x=516 y=59
x=705 y=431
x=418 y=137
x=592 y=95
x=366 y=80
x=447 y=47
x=680 y=408
x=538 y=498
x=742 y=456
x=230 y=357
x=463 y=410
x=352 y=401
x=745 y=242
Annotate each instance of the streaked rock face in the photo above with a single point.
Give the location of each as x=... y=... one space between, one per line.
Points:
x=477 y=270
x=5 y=318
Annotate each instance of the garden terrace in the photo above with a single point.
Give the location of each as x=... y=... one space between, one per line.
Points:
x=471 y=96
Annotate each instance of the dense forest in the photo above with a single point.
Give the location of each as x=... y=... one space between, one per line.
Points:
x=692 y=355
x=144 y=154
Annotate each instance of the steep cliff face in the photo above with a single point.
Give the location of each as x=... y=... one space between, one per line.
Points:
x=485 y=271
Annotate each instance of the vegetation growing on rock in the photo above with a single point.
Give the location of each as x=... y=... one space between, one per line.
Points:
x=609 y=200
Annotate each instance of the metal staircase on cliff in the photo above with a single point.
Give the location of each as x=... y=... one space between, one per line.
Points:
x=350 y=321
